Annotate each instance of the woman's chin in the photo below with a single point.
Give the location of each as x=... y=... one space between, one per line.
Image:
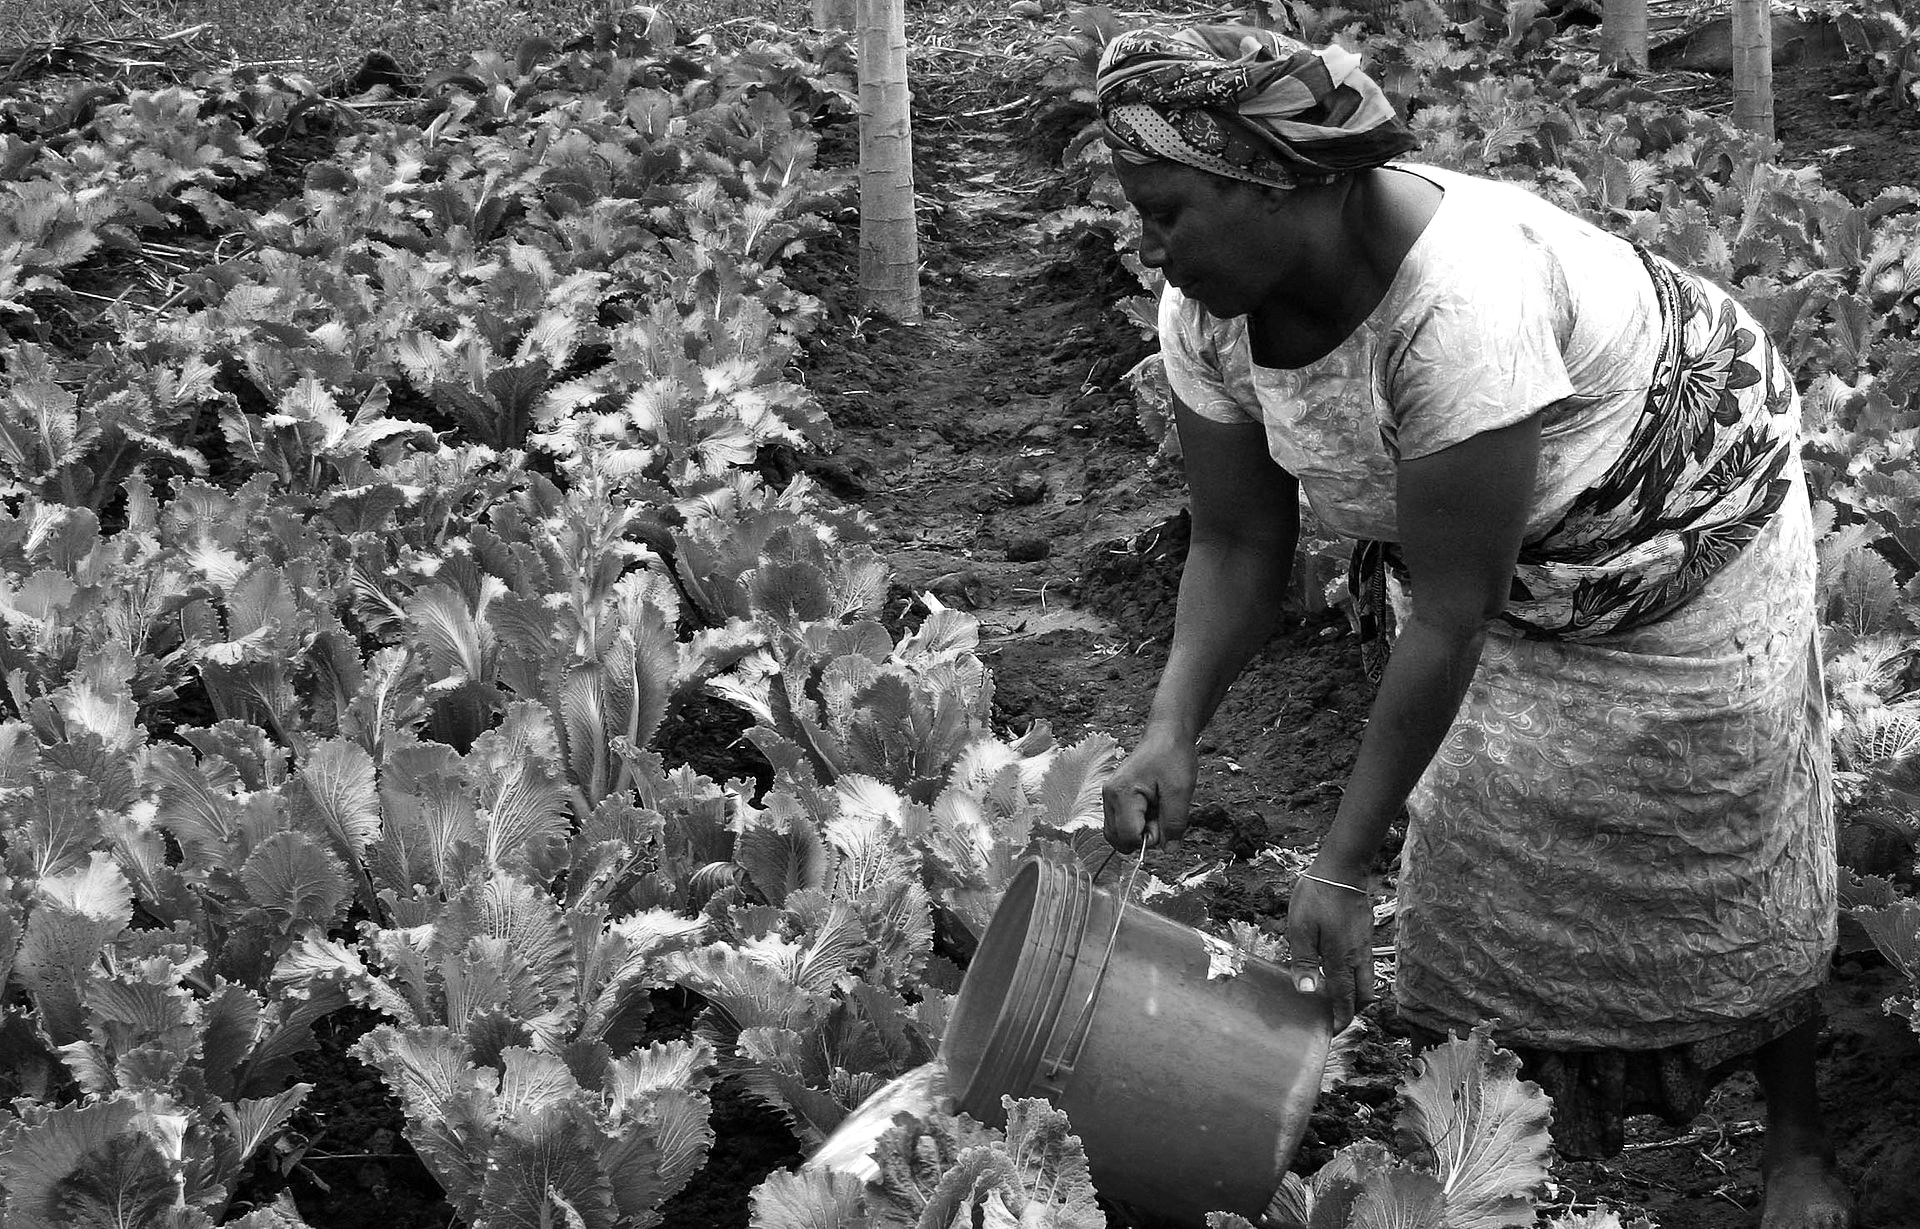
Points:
x=1215 y=306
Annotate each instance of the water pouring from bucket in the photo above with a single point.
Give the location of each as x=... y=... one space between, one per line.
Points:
x=1189 y=1092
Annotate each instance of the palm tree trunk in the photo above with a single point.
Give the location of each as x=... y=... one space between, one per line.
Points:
x=1753 y=66
x=889 y=244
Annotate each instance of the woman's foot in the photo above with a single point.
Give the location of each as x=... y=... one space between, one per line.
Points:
x=1802 y=1184
x=1804 y=1191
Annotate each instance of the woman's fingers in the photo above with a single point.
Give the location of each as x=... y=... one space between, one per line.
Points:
x=1342 y=988
x=1146 y=799
x=1126 y=814
x=1331 y=939
x=1363 y=990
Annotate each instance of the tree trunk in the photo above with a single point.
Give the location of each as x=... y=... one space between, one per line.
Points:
x=889 y=244
x=1753 y=66
x=1623 y=33
x=835 y=14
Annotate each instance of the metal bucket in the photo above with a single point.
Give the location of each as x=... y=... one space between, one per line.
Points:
x=1189 y=1093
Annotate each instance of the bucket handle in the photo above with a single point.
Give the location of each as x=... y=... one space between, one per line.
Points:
x=1055 y=1072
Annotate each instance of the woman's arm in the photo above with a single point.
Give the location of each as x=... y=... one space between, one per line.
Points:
x=1246 y=523
x=1462 y=515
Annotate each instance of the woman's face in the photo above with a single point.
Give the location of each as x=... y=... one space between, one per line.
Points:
x=1227 y=245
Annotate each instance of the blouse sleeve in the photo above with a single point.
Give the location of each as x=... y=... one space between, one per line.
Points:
x=1196 y=372
x=1483 y=352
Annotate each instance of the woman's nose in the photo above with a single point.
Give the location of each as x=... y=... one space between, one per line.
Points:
x=1153 y=253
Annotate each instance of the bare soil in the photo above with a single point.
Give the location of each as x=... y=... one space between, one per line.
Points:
x=997 y=450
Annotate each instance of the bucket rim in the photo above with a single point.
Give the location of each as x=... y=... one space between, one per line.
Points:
x=1057 y=899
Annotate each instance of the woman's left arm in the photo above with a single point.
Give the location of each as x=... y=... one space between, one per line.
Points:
x=1462 y=514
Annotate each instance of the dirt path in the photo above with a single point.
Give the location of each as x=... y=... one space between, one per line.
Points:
x=997 y=451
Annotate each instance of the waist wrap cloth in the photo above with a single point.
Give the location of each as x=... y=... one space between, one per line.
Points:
x=1623 y=853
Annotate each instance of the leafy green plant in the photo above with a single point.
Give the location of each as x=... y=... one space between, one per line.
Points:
x=184 y=1075
x=514 y=1047
x=939 y=1170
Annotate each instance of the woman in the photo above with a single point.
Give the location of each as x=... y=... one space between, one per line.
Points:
x=1603 y=711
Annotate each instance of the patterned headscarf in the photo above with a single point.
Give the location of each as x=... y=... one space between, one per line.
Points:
x=1245 y=103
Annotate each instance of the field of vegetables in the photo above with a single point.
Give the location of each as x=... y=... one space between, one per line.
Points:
x=520 y=695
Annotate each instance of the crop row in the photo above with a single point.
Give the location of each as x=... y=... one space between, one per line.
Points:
x=354 y=577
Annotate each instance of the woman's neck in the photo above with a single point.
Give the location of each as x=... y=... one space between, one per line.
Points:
x=1379 y=218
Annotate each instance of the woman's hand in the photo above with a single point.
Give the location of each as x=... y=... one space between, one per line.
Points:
x=1147 y=797
x=1330 y=933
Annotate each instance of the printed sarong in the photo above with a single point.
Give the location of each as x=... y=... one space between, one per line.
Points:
x=1625 y=842
x=1702 y=473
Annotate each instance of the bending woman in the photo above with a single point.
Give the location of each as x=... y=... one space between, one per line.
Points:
x=1578 y=467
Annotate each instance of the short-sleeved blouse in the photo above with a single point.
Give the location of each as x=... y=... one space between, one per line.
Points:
x=1505 y=307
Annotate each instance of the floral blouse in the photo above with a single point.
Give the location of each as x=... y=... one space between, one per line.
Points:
x=1669 y=422
x=1505 y=307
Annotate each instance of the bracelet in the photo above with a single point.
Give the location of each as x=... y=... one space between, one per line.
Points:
x=1334 y=883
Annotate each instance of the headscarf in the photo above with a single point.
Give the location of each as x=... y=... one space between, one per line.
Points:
x=1245 y=103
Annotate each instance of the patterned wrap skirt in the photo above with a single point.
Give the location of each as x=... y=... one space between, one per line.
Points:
x=1624 y=848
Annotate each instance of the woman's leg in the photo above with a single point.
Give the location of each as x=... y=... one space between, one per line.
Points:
x=1803 y=1187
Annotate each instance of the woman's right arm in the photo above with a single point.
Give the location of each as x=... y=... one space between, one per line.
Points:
x=1246 y=524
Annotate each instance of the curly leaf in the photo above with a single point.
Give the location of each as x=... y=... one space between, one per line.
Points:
x=782 y=1069
x=531 y=1081
x=126 y=1183
x=809 y=1199
x=660 y=1067
x=458 y=639
x=335 y=791
x=660 y=1147
x=958 y=1196
x=1404 y=1199
x=945 y=632
x=545 y=1169
x=657 y=663
x=430 y=815
x=78 y=913
x=314 y=962
x=585 y=705
x=448 y=1103
x=520 y=787
x=1484 y=1128
x=297 y=880
x=228 y=1020
x=144 y=1027
x=746 y=986
x=1895 y=930
x=625 y=961
x=38 y=1156
x=780 y=849
x=197 y=802
x=1052 y=1166
x=915 y=1158
x=49 y=828
x=10 y=915
x=533 y=928
x=1070 y=791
